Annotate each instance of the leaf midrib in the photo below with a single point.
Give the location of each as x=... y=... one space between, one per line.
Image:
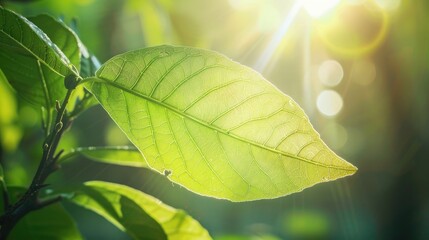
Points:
x=32 y=53
x=109 y=82
x=28 y=50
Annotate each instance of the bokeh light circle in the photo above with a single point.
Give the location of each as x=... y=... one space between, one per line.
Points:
x=330 y=73
x=329 y=103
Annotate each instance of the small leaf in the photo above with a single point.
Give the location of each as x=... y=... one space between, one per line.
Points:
x=31 y=61
x=49 y=223
x=89 y=65
x=218 y=126
x=121 y=155
x=138 y=214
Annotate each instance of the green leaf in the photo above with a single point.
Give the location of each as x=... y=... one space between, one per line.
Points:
x=49 y=223
x=89 y=65
x=121 y=210
x=120 y=155
x=219 y=127
x=32 y=63
x=66 y=40
x=61 y=35
x=138 y=214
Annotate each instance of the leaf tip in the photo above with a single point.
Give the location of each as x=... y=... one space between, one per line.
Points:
x=350 y=167
x=353 y=169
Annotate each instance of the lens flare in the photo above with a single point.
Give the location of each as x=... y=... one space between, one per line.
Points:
x=354 y=30
x=317 y=8
x=277 y=38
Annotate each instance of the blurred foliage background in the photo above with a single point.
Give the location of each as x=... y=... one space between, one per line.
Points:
x=359 y=68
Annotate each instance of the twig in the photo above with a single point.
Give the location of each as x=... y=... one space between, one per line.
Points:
x=30 y=201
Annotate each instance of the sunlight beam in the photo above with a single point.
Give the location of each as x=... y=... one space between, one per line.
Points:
x=263 y=60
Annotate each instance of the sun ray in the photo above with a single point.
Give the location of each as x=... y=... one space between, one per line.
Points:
x=265 y=57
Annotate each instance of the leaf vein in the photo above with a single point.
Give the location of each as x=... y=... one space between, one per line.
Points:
x=260 y=168
x=205 y=158
x=152 y=129
x=230 y=165
x=209 y=92
x=257 y=119
x=238 y=104
x=168 y=72
x=188 y=78
x=161 y=103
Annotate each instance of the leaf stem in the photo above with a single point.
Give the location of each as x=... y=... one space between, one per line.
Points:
x=88 y=79
x=30 y=200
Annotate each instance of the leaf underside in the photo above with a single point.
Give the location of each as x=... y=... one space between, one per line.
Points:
x=31 y=61
x=219 y=127
x=61 y=35
x=138 y=214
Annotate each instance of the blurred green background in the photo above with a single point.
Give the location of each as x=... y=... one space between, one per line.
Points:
x=359 y=68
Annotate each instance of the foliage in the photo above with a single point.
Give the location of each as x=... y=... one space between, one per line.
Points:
x=210 y=124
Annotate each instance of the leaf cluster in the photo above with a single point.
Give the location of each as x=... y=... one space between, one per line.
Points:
x=206 y=122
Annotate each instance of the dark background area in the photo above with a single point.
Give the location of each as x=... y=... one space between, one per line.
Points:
x=368 y=58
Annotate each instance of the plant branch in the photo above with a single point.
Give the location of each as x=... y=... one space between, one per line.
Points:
x=47 y=202
x=30 y=200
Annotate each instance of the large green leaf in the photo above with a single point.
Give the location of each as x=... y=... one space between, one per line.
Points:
x=138 y=214
x=31 y=61
x=219 y=127
x=49 y=223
